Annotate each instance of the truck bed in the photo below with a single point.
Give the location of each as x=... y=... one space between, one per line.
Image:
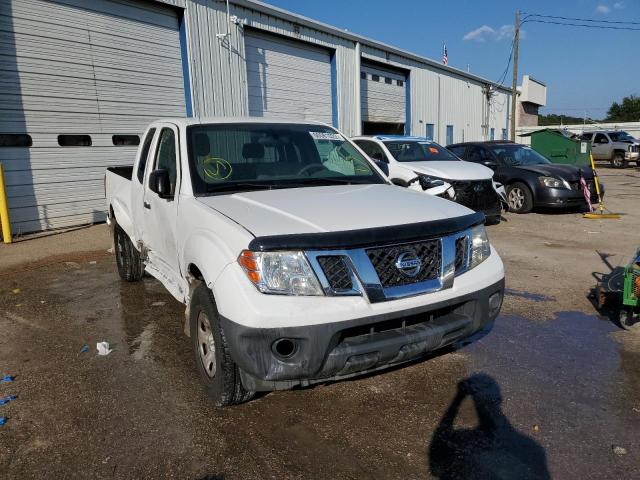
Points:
x=124 y=171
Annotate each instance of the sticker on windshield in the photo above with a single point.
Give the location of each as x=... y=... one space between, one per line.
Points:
x=434 y=150
x=326 y=136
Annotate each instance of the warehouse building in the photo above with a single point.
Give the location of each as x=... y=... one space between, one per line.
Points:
x=81 y=79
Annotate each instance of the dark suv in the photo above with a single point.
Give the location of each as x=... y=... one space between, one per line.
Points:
x=529 y=178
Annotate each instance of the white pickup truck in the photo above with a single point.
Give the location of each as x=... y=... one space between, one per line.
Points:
x=298 y=262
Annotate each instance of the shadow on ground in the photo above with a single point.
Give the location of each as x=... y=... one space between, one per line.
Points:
x=491 y=449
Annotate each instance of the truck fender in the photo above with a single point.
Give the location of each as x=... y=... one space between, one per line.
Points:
x=204 y=256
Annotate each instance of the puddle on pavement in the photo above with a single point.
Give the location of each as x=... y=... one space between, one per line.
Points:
x=568 y=376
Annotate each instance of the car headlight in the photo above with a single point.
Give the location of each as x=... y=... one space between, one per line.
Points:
x=283 y=273
x=551 y=182
x=480 y=247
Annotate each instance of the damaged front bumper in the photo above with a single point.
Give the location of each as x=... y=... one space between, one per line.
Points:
x=333 y=351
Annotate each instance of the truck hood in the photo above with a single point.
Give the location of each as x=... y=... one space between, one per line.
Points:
x=570 y=173
x=454 y=170
x=331 y=208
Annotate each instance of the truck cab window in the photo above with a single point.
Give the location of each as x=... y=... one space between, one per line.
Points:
x=600 y=138
x=144 y=154
x=166 y=156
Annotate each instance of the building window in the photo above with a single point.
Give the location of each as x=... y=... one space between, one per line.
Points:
x=492 y=134
x=74 y=140
x=363 y=75
x=15 y=140
x=400 y=83
x=125 y=140
x=430 y=130
x=504 y=134
x=388 y=81
x=375 y=78
x=449 y=134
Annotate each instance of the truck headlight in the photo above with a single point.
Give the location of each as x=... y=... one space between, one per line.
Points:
x=283 y=273
x=551 y=182
x=480 y=247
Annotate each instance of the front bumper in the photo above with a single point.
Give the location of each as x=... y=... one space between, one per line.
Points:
x=336 y=350
x=632 y=156
x=563 y=197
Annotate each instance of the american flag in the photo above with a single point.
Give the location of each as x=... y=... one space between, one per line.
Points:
x=445 y=58
x=586 y=192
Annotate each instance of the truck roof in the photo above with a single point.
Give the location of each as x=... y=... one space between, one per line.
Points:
x=186 y=121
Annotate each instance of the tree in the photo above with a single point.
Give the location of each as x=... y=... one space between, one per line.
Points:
x=627 y=111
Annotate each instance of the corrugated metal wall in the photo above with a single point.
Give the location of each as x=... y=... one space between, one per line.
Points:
x=73 y=67
x=110 y=66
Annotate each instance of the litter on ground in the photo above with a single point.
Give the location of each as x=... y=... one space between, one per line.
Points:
x=103 y=348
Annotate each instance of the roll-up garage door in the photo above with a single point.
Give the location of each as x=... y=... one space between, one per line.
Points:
x=287 y=79
x=82 y=79
x=383 y=99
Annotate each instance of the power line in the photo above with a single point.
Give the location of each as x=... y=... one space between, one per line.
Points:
x=506 y=69
x=567 y=24
x=527 y=15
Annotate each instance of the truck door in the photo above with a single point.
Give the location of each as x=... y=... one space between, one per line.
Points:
x=601 y=148
x=160 y=214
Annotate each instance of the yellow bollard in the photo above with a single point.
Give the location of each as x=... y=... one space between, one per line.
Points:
x=4 y=210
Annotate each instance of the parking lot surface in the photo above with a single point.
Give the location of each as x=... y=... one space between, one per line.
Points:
x=553 y=391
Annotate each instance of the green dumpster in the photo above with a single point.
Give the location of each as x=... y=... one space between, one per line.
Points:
x=560 y=146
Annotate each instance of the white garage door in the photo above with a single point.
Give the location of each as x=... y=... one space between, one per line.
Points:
x=383 y=95
x=82 y=79
x=287 y=79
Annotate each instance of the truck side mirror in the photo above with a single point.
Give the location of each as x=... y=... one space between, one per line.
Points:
x=382 y=166
x=491 y=164
x=160 y=183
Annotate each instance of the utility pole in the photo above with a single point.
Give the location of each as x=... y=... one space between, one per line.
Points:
x=514 y=86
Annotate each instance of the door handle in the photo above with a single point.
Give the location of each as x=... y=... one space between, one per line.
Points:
x=147 y=205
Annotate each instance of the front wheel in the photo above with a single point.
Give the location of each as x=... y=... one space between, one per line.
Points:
x=519 y=198
x=128 y=259
x=218 y=372
x=618 y=160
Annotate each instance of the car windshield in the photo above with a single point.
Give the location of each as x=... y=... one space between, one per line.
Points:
x=517 y=155
x=232 y=157
x=419 y=151
x=620 y=137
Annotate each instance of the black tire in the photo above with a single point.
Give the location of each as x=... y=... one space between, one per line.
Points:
x=128 y=259
x=628 y=320
x=493 y=220
x=217 y=370
x=519 y=197
x=618 y=160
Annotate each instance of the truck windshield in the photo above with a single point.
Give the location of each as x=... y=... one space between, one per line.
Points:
x=517 y=155
x=255 y=156
x=620 y=137
x=419 y=151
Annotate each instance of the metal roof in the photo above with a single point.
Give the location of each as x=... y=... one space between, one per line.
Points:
x=308 y=22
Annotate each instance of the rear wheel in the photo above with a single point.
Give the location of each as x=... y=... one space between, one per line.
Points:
x=628 y=320
x=618 y=160
x=519 y=198
x=128 y=259
x=218 y=372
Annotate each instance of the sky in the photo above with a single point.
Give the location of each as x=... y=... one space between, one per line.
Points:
x=585 y=69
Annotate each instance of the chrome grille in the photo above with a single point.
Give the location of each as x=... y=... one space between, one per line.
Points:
x=337 y=272
x=384 y=261
x=461 y=253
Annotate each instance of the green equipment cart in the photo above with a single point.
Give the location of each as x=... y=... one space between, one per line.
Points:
x=630 y=308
